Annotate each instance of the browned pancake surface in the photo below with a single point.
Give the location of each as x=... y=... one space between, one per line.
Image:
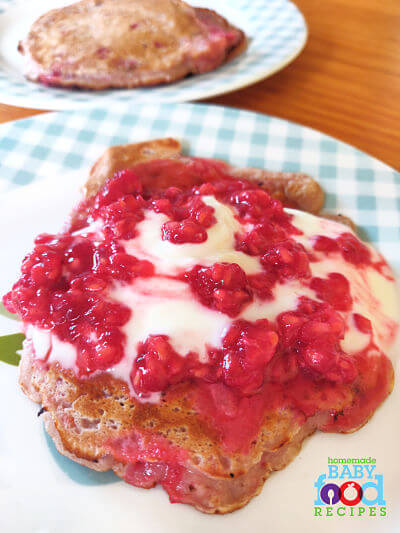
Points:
x=97 y=44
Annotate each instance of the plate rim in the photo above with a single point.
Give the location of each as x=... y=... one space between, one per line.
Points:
x=120 y=105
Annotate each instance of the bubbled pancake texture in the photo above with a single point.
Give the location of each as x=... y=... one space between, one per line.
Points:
x=82 y=417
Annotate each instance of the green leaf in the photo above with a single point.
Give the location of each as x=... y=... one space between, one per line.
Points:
x=9 y=344
x=4 y=312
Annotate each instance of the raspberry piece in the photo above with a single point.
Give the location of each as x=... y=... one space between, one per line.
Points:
x=190 y=216
x=79 y=256
x=122 y=183
x=312 y=334
x=288 y=259
x=125 y=267
x=89 y=283
x=353 y=250
x=325 y=323
x=325 y=244
x=263 y=283
x=247 y=349
x=335 y=289
x=255 y=204
x=102 y=354
x=47 y=270
x=317 y=359
x=162 y=205
x=289 y=325
x=260 y=239
x=325 y=361
x=203 y=214
x=121 y=217
x=104 y=314
x=157 y=365
x=187 y=231
x=223 y=286
x=362 y=323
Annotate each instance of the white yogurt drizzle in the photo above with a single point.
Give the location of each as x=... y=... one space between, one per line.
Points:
x=161 y=305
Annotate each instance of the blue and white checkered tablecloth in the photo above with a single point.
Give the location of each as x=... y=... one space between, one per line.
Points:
x=357 y=185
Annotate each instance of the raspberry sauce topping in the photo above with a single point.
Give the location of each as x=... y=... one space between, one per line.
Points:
x=223 y=287
x=352 y=250
x=177 y=272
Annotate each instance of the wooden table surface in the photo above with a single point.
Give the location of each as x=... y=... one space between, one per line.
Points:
x=345 y=83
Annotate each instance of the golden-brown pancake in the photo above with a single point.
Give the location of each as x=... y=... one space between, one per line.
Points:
x=97 y=422
x=97 y=44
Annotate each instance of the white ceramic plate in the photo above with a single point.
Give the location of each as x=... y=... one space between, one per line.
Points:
x=276 y=30
x=41 y=491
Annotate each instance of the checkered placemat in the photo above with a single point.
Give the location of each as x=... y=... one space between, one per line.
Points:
x=276 y=29
x=356 y=184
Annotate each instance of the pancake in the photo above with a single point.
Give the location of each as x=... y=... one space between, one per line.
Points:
x=99 y=44
x=296 y=189
x=92 y=423
x=209 y=443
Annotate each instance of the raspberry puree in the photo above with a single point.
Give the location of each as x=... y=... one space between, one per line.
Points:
x=212 y=281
